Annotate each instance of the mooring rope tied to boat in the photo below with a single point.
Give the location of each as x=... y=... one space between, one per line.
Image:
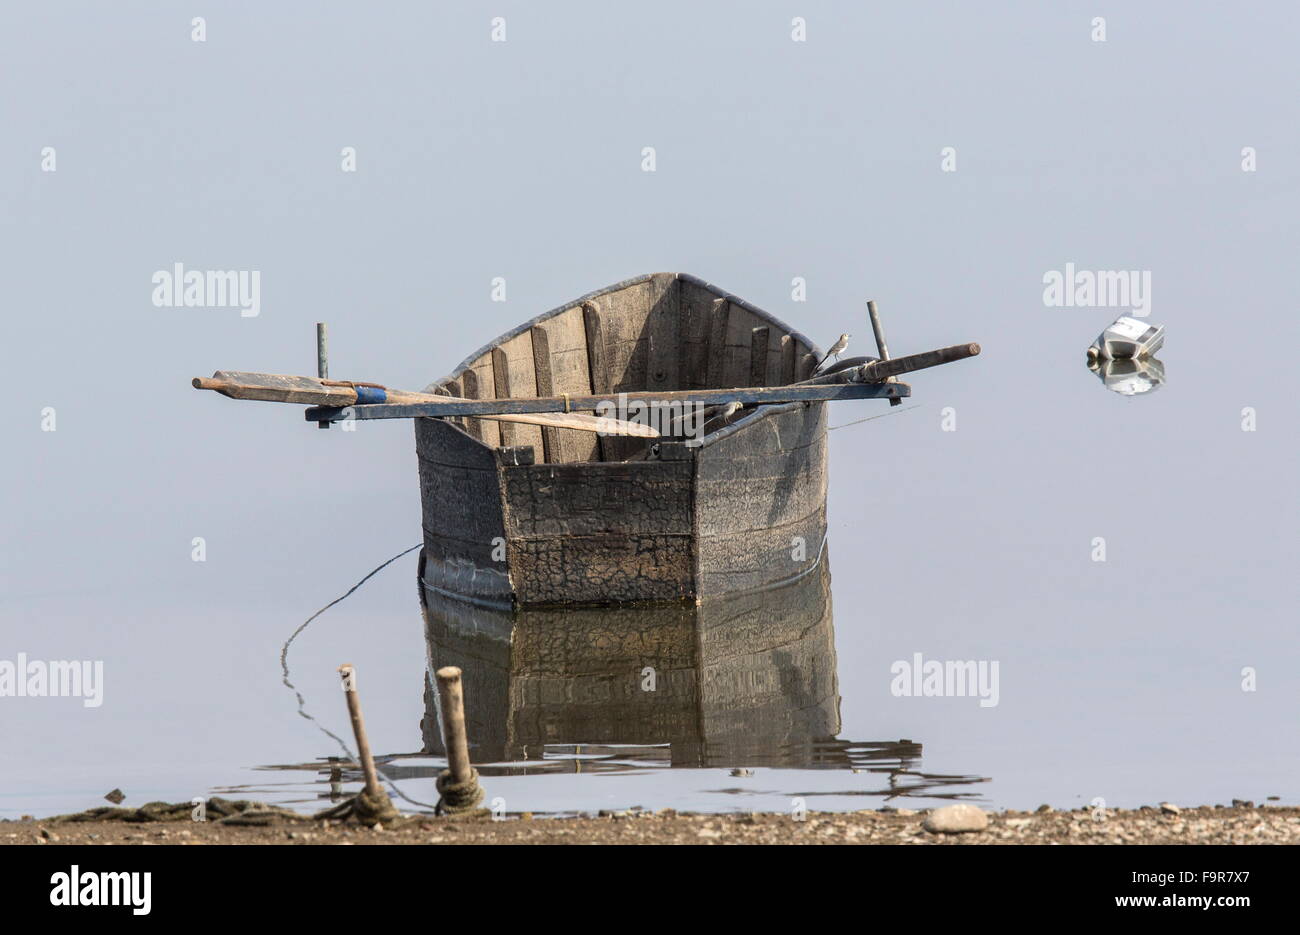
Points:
x=892 y=412
x=302 y=703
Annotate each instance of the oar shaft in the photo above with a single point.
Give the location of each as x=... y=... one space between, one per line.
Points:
x=491 y=408
x=339 y=396
x=877 y=371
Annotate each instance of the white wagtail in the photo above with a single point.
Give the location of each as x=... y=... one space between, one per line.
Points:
x=836 y=350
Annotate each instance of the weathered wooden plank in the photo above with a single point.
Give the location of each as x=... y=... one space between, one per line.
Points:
x=760 y=503
x=632 y=498
x=600 y=532
x=461 y=511
x=545 y=387
x=692 y=336
x=633 y=319
x=807 y=363
x=775 y=374
x=471 y=390
x=758 y=356
x=664 y=357
x=719 y=317
x=452 y=388
x=625 y=323
x=501 y=374
x=596 y=366
x=591 y=320
x=789 y=347
x=518 y=352
x=486 y=374
x=739 y=336
x=570 y=373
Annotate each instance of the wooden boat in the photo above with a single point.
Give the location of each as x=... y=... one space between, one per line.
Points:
x=701 y=469
x=550 y=516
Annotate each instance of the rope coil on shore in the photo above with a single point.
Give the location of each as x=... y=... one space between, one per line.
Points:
x=458 y=797
x=364 y=807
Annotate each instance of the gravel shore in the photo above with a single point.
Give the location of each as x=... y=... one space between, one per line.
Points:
x=1148 y=825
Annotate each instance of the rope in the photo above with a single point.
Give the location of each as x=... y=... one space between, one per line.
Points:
x=458 y=797
x=284 y=651
x=364 y=807
x=302 y=704
x=869 y=418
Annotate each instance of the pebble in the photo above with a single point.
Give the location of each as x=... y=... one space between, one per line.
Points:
x=1169 y=808
x=955 y=819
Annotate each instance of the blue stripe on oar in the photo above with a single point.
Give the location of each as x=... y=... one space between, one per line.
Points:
x=369 y=395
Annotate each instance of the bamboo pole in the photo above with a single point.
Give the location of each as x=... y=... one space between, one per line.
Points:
x=453 y=724
x=349 y=676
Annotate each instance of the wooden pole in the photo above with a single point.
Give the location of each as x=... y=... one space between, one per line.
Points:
x=322 y=359
x=322 y=351
x=453 y=724
x=879 y=332
x=349 y=676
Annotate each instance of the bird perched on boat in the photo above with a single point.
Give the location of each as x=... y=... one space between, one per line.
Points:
x=729 y=410
x=836 y=350
x=708 y=415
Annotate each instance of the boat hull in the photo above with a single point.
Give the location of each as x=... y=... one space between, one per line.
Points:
x=744 y=510
x=532 y=517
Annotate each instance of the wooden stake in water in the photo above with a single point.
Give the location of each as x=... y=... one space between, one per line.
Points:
x=349 y=677
x=453 y=724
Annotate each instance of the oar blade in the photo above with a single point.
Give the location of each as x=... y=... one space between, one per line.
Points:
x=275 y=388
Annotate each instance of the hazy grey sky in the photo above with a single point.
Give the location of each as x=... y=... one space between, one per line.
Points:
x=775 y=159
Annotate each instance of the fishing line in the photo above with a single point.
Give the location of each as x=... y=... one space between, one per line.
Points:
x=302 y=703
x=892 y=412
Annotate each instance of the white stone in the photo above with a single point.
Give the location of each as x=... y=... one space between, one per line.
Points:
x=954 y=819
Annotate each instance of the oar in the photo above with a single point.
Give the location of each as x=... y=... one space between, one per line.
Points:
x=863 y=382
x=309 y=391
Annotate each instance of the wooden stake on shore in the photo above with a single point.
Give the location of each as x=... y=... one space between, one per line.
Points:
x=348 y=675
x=453 y=724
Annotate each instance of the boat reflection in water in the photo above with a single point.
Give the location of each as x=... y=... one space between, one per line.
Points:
x=745 y=680
x=1130 y=376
